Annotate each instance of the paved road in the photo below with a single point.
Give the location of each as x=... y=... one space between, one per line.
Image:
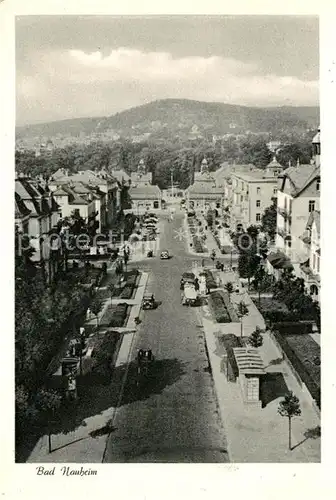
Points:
x=174 y=416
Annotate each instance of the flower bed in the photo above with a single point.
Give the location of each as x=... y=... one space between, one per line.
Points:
x=115 y=315
x=210 y=280
x=218 y=308
x=229 y=342
x=198 y=247
x=301 y=352
x=229 y=306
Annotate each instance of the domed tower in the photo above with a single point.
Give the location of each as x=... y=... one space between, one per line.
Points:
x=316 y=143
x=274 y=168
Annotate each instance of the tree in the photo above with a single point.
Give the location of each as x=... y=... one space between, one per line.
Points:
x=242 y=311
x=256 y=339
x=47 y=402
x=229 y=287
x=248 y=262
x=289 y=407
x=96 y=307
x=253 y=231
x=269 y=220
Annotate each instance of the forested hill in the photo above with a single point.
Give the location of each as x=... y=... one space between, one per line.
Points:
x=184 y=117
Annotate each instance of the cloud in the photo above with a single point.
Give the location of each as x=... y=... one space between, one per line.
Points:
x=74 y=83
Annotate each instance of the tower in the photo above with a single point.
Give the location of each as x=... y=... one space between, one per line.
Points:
x=204 y=166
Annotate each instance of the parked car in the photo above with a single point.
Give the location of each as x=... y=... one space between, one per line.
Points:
x=188 y=278
x=148 y=302
x=189 y=295
x=164 y=254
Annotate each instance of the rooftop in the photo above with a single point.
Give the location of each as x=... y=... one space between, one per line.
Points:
x=248 y=361
x=301 y=176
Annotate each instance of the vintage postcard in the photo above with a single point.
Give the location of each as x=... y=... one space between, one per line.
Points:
x=167 y=225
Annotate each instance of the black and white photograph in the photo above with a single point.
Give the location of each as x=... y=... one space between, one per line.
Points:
x=167 y=240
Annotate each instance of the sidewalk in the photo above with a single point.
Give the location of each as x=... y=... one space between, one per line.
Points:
x=79 y=446
x=260 y=435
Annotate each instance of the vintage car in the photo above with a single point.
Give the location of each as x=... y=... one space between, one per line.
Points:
x=164 y=254
x=189 y=295
x=148 y=302
x=188 y=278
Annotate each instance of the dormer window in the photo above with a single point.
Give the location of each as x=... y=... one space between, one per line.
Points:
x=318 y=182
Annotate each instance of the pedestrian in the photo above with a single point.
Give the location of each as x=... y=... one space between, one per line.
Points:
x=197 y=287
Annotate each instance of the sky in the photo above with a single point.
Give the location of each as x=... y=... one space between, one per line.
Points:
x=83 y=66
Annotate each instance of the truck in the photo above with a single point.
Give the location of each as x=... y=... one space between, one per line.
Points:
x=189 y=295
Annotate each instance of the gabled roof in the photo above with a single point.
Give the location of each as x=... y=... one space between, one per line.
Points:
x=143 y=192
x=120 y=175
x=21 y=209
x=300 y=177
x=60 y=191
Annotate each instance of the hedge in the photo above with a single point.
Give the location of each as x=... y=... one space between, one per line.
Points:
x=127 y=292
x=229 y=306
x=119 y=315
x=230 y=341
x=302 y=371
x=277 y=316
x=210 y=280
x=218 y=307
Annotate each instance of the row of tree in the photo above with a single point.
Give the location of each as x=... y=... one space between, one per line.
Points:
x=182 y=158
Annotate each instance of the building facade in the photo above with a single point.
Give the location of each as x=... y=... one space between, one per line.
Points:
x=251 y=192
x=36 y=218
x=142 y=193
x=298 y=212
x=204 y=193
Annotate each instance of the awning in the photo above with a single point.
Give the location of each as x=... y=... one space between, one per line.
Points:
x=279 y=260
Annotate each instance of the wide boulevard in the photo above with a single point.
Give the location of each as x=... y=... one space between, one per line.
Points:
x=172 y=416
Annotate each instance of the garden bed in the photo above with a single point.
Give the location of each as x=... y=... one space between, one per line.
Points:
x=303 y=353
x=229 y=342
x=104 y=351
x=218 y=308
x=115 y=315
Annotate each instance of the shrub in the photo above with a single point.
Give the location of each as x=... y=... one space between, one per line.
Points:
x=119 y=315
x=276 y=316
x=219 y=309
x=127 y=292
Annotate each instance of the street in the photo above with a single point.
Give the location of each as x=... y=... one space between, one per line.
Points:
x=173 y=416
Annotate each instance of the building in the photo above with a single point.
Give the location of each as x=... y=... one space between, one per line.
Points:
x=76 y=200
x=298 y=198
x=142 y=193
x=98 y=182
x=251 y=192
x=204 y=193
x=273 y=146
x=36 y=218
x=310 y=269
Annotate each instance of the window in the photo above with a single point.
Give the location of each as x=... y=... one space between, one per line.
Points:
x=318 y=264
x=275 y=190
x=258 y=217
x=318 y=184
x=258 y=190
x=258 y=203
x=311 y=206
x=241 y=198
x=314 y=261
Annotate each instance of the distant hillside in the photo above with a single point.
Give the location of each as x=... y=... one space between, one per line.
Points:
x=183 y=117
